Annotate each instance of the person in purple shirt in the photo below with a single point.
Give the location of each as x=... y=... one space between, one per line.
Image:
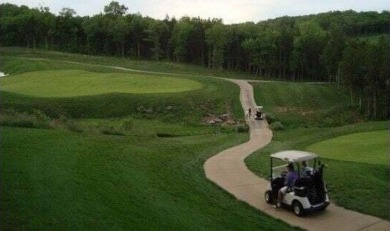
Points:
x=288 y=184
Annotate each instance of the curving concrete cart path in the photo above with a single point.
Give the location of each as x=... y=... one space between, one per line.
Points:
x=228 y=170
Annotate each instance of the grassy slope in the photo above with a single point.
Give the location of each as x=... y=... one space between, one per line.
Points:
x=373 y=39
x=84 y=181
x=24 y=55
x=304 y=105
x=188 y=106
x=307 y=110
x=298 y=138
x=55 y=179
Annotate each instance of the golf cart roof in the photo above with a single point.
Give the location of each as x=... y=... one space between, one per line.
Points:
x=294 y=156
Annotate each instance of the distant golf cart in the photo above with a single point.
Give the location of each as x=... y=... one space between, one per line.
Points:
x=259 y=115
x=309 y=192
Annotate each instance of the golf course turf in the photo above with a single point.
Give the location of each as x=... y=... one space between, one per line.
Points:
x=70 y=83
x=135 y=159
x=64 y=180
x=364 y=147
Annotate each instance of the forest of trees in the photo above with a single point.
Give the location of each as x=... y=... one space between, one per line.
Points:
x=347 y=48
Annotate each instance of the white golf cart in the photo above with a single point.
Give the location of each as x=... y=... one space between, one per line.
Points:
x=309 y=192
x=259 y=115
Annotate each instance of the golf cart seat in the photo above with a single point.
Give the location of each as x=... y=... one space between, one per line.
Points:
x=312 y=187
x=277 y=184
x=301 y=185
x=259 y=115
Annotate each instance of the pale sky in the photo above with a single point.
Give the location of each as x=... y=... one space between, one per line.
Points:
x=231 y=11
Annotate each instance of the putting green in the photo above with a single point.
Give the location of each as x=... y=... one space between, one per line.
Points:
x=69 y=83
x=365 y=147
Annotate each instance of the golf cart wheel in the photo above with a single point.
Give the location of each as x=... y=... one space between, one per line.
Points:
x=297 y=208
x=268 y=197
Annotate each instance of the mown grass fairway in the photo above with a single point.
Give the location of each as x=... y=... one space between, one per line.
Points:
x=365 y=147
x=69 y=83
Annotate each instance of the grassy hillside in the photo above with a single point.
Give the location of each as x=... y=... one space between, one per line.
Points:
x=60 y=180
x=189 y=107
x=305 y=104
x=372 y=39
x=120 y=161
x=125 y=160
x=44 y=60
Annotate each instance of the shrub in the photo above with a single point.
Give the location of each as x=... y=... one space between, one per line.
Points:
x=270 y=118
x=241 y=128
x=112 y=131
x=40 y=120
x=37 y=119
x=127 y=124
x=16 y=119
x=166 y=135
x=277 y=126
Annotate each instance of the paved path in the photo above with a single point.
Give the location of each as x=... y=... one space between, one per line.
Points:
x=228 y=170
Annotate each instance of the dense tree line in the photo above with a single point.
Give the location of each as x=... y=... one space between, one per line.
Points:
x=324 y=47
